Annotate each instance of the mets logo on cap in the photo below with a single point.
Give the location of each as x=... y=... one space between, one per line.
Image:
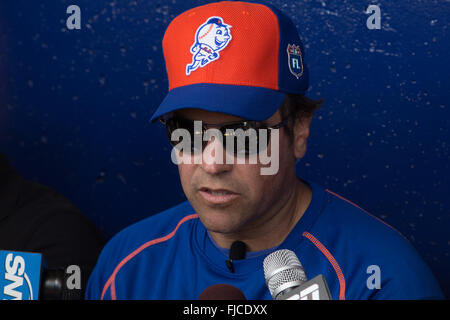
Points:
x=210 y=38
x=295 y=60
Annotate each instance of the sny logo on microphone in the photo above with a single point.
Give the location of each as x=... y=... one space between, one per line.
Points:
x=19 y=275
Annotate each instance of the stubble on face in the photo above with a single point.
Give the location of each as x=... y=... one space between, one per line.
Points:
x=251 y=201
x=255 y=199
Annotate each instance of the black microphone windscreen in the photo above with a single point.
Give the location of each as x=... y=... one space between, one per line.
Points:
x=222 y=292
x=237 y=250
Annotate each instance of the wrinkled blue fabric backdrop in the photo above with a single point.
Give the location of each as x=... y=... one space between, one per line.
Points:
x=74 y=108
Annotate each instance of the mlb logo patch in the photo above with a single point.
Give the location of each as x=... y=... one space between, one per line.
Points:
x=295 y=60
x=210 y=38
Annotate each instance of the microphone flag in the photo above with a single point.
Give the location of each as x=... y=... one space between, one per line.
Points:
x=20 y=275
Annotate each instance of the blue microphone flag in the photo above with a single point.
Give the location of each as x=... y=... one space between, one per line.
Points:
x=20 y=275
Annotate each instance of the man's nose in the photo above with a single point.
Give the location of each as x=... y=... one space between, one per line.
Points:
x=214 y=158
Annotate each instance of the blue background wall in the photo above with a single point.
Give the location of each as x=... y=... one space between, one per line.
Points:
x=74 y=108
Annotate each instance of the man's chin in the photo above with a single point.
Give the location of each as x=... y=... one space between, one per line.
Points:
x=218 y=223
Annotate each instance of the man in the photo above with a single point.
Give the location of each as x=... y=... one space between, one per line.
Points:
x=257 y=82
x=35 y=218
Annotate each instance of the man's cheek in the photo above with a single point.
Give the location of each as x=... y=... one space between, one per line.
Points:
x=185 y=172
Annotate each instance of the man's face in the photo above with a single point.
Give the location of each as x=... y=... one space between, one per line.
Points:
x=234 y=198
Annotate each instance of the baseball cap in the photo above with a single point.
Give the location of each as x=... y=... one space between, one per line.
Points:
x=232 y=57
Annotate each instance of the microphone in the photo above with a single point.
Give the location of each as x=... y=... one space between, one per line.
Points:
x=23 y=277
x=287 y=280
x=237 y=252
x=54 y=285
x=222 y=292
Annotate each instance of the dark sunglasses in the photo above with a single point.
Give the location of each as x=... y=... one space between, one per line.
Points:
x=245 y=141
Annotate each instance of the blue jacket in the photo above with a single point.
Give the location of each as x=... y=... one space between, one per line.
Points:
x=171 y=256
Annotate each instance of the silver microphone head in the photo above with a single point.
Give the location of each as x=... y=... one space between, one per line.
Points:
x=283 y=272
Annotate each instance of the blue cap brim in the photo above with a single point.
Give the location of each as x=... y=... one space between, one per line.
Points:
x=250 y=103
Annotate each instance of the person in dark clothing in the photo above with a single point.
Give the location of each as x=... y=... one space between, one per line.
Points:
x=35 y=218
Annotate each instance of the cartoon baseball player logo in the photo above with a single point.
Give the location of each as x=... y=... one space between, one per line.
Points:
x=210 y=38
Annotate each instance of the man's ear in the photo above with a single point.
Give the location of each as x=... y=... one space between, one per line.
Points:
x=300 y=135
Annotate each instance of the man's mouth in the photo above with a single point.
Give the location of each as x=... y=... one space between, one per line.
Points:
x=217 y=192
x=217 y=196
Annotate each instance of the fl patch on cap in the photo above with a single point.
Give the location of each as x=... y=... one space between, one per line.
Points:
x=237 y=58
